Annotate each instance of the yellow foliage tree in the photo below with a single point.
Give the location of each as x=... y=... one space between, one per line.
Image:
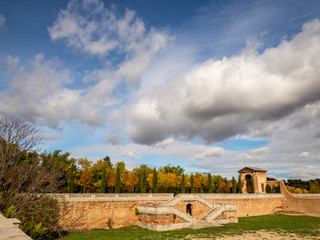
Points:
x=297 y=190
x=149 y=179
x=227 y=187
x=197 y=181
x=132 y=181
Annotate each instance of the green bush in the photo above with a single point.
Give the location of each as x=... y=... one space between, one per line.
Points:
x=35 y=230
x=268 y=188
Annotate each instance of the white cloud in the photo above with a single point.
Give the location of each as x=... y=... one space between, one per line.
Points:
x=260 y=151
x=38 y=92
x=112 y=137
x=211 y=152
x=2 y=21
x=305 y=154
x=165 y=143
x=219 y=99
x=91 y=28
x=130 y=155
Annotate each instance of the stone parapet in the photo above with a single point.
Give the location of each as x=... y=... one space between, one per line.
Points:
x=110 y=197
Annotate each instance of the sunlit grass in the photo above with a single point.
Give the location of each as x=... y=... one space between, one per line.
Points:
x=301 y=225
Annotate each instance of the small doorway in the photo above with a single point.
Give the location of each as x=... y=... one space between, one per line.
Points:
x=248 y=183
x=189 y=208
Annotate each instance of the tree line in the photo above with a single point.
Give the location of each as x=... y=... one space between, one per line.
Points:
x=83 y=176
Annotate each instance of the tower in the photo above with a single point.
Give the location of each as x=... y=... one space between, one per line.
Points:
x=258 y=175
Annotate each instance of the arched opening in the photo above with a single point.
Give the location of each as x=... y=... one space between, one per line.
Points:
x=262 y=187
x=248 y=183
x=189 y=208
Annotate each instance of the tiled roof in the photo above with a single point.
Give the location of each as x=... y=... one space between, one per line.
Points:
x=254 y=169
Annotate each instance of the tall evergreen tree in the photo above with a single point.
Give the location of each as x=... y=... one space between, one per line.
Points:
x=209 y=183
x=103 y=180
x=239 y=185
x=183 y=184
x=218 y=186
x=234 y=186
x=143 y=181
x=155 y=181
x=252 y=185
x=118 y=175
x=71 y=183
x=192 y=183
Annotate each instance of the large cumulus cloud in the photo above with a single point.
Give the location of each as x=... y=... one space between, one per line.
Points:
x=219 y=99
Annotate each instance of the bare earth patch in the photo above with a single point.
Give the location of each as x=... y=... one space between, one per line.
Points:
x=259 y=235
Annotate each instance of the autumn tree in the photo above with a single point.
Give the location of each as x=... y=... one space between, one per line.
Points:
x=123 y=179
x=85 y=179
x=314 y=186
x=198 y=182
x=111 y=180
x=132 y=181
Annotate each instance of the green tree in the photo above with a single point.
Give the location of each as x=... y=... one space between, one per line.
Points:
x=252 y=185
x=234 y=186
x=118 y=179
x=192 y=183
x=103 y=186
x=108 y=161
x=183 y=184
x=210 y=183
x=239 y=185
x=218 y=186
x=155 y=181
x=268 y=188
x=172 y=169
x=71 y=183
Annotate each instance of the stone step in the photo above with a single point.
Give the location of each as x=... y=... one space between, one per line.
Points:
x=203 y=224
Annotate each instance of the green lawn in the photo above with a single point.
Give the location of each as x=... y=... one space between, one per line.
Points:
x=301 y=225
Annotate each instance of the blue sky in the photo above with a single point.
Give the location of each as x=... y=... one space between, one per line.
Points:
x=209 y=85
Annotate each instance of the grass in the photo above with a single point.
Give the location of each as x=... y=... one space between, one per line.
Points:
x=301 y=225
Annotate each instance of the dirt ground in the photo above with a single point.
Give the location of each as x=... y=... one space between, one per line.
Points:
x=259 y=235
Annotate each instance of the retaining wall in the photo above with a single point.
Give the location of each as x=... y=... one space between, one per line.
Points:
x=308 y=205
x=85 y=211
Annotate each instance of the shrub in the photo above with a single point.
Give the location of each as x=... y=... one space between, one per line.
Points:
x=110 y=223
x=268 y=188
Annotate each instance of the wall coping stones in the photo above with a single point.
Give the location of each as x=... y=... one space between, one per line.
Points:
x=110 y=197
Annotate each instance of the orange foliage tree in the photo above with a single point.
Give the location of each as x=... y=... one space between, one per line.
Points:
x=85 y=179
x=132 y=181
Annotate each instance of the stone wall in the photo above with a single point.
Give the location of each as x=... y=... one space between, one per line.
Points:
x=250 y=204
x=306 y=205
x=85 y=211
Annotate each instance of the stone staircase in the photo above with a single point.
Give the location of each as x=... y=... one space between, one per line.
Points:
x=9 y=229
x=168 y=207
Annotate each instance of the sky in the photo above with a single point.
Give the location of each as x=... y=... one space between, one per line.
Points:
x=212 y=86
